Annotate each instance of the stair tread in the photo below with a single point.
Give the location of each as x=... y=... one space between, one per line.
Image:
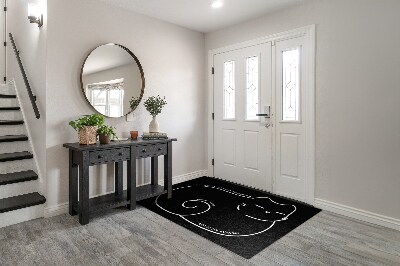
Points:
x=11 y=122
x=16 y=177
x=11 y=138
x=8 y=96
x=21 y=201
x=11 y=108
x=5 y=157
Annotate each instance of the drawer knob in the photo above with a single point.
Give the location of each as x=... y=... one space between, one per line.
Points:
x=100 y=156
x=159 y=149
x=144 y=150
x=120 y=154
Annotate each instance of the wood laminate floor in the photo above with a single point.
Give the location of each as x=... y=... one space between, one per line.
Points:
x=141 y=237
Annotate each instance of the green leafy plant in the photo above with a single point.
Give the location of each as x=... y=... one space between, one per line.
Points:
x=87 y=120
x=134 y=102
x=107 y=130
x=154 y=104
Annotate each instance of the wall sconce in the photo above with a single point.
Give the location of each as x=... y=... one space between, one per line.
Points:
x=34 y=15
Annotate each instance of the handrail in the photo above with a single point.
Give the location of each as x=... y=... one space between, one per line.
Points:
x=27 y=85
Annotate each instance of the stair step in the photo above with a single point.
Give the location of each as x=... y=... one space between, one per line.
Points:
x=17 y=177
x=8 y=96
x=11 y=108
x=22 y=201
x=6 y=157
x=11 y=122
x=12 y=138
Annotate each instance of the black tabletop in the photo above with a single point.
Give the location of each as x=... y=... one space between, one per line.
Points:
x=122 y=143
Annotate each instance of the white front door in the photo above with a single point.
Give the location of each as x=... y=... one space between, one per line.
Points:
x=242 y=142
x=290 y=86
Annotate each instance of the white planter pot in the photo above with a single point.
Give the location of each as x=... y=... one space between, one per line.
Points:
x=154 y=127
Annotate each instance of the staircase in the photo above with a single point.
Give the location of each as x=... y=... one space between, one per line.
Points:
x=19 y=182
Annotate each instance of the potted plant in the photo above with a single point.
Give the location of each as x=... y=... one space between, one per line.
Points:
x=105 y=133
x=134 y=103
x=87 y=127
x=154 y=105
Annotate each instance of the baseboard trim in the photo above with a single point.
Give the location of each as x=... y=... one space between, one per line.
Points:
x=21 y=215
x=186 y=177
x=358 y=214
x=56 y=210
x=63 y=207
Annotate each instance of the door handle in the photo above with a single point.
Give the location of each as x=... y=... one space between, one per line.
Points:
x=264 y=115
x=267 y=112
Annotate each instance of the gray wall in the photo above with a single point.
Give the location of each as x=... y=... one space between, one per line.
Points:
x=357 y=96
x=31 y=42
x=173 y=61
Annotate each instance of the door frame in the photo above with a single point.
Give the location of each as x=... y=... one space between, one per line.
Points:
x=309 y=116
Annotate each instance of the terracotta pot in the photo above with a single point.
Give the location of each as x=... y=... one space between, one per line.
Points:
x=134 y=134
x=87 y=135
x=104 y=139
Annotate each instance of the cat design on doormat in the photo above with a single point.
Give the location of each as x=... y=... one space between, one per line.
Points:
x=236 y=214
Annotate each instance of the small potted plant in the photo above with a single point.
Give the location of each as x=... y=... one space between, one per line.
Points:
x=87 y=127
x=154 y=105
x=134 y=103
x=105 y=133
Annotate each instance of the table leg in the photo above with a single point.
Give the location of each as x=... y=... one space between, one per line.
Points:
x=154 y=170
x=168 y=171
x=73 y=184
x=131 y=183
x=84 y=189
x=119 y=188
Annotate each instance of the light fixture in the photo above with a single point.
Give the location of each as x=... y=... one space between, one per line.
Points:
x=217 y=4
x=34 y=15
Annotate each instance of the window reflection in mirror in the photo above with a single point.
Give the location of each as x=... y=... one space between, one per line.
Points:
x=107 y=97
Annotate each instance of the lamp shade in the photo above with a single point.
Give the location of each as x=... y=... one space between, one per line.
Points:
x=33 y=11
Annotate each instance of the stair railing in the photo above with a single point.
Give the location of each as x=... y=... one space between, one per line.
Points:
x=26 y=81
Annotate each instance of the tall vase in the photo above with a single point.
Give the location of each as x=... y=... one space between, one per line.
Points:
x=154 y=127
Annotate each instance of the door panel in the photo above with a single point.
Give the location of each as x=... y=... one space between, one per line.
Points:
x=228 y=147
x=242 y=143
x=290 y=129
x=290 y=155
x=251 y=140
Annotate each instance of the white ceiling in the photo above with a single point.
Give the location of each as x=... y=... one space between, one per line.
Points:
x=106 y=57
x=198 y=14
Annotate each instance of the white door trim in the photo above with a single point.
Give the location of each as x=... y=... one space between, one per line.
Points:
x=309 y=33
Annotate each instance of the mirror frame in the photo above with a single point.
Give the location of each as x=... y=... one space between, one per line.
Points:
x=137 y=63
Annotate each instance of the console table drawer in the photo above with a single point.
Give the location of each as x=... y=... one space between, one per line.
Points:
x=152 y=150
x=109 y=156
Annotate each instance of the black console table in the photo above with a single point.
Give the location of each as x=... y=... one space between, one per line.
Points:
x=83 y=156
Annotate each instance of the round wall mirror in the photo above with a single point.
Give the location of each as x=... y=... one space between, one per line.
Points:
x=111 y=75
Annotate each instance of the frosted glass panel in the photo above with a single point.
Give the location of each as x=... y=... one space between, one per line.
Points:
x=100 y=108
x=290 y=84
x=252 y=84
x=99 y=97
x=229 y=90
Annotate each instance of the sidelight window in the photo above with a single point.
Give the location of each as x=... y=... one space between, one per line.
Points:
x=252 y=87
x=229 y=90
x=290 y=85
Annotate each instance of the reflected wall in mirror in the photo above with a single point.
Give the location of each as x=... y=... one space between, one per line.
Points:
x=111 y=75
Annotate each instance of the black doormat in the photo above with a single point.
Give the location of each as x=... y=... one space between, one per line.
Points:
x=240 y=219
